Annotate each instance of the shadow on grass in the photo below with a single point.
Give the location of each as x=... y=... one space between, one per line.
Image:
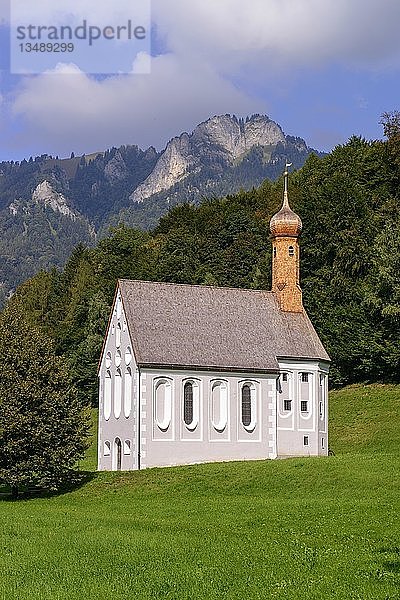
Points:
x=390 y=568
x=78 y=480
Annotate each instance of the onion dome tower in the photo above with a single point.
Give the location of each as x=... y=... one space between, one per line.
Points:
x=285 y=228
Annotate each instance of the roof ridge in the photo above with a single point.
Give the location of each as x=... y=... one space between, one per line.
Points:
x=197 y=285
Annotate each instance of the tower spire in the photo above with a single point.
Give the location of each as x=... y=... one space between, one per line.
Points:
x=285 y=228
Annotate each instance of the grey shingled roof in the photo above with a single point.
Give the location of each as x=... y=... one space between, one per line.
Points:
x=212 y=327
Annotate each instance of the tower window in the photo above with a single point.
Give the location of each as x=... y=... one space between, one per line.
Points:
x=304 y=377
x=274 y=252
x=291 y=251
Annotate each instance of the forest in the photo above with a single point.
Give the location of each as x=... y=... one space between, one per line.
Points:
x=349 y=203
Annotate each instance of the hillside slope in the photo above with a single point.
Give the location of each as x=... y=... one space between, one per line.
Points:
x=365 y=419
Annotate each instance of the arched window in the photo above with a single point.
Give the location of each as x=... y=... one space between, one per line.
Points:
x=119 y=308
x=128 y=392
x=117 y=394
x=291 y=251
x=163 y=403
x=188 y=403
x=128 y=356
x=246 y=405
x=107 y=396
x=107 y=448
x=219 y=405
x=118 y=336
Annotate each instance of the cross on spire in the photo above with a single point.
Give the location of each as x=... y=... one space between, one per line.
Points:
x=286 y=174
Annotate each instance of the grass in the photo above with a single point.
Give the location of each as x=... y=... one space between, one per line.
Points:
x=293 y=529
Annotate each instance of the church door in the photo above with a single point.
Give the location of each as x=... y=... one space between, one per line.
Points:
x=117 y=454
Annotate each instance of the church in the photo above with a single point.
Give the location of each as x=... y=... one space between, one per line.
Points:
x=193 y=374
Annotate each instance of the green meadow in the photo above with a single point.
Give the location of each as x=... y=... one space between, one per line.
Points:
x=288 y=529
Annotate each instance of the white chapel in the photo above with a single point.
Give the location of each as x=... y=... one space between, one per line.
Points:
x=192 y=374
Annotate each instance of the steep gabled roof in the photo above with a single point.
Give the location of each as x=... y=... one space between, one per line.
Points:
x=206 y=327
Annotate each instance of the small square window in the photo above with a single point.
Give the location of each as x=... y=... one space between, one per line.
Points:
x=304 y=377
x=287 y=405
x=284 y=377
x=304 y=406
x=305 y=440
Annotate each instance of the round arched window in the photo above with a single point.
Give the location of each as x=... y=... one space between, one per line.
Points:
x=249 y=406
x=163 y=403
x=188 y=403
x=246 y=405
x=219 y=405
x=128 y=355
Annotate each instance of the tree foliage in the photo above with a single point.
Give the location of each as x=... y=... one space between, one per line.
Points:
x=350 y=258
x=43 y=425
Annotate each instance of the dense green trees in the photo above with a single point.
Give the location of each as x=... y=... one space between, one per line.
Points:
x=43 y=424
x=350 y=260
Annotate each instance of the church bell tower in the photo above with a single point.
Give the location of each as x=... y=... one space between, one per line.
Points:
x=285 y=228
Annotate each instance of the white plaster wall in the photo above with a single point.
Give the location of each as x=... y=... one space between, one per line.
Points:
x=118 y=426
x=178 y=445
x=294 y=425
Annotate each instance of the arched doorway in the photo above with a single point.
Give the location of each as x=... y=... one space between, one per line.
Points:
x=117 y=454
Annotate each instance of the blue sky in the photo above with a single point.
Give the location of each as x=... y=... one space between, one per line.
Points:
x=323 y=69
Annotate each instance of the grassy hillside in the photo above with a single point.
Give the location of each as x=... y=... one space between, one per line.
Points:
x=301 y=528
x=365 y=419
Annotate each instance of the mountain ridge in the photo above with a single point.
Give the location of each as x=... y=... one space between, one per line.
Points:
x=85 y=195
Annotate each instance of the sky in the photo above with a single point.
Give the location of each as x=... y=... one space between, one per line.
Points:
x=323 y=69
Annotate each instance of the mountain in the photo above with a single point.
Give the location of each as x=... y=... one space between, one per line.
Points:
x=48 y=205
x=220 y=143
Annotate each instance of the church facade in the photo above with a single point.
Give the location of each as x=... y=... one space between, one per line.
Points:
x=193 y=374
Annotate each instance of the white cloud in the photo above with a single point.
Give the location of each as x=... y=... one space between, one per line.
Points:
x=67 y=110
x=217 y=48
x=233 y=32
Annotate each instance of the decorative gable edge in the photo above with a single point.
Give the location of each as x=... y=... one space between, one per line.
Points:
x=118 y=297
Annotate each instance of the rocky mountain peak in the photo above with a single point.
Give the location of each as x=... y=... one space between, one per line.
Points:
x=223 y=136
x=44 y=194
x=236 y=136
